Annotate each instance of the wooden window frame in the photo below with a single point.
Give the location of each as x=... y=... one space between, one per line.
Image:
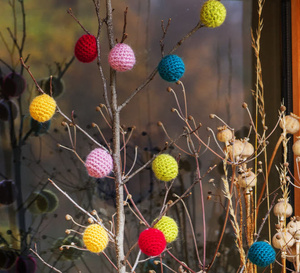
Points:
x=295 y=25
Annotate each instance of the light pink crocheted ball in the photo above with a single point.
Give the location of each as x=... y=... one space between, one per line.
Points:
x=99 y=163
x=121 y=58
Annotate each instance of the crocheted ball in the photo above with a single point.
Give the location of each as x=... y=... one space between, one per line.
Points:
x=13 y=85
x=121 y=57
x=42 y=108
x=26 y=264
x=8 y=192
x=8 y=258
x=99 y=163
x=86 y=48
x=67 y=253
x=171 y=68
x=168 y=227
x=58 y=86
x=262 y=254
x=152 y=242
x=39 y=128
x=165 y=167
x=95 y=238
x=5 y=106
x=213 y=13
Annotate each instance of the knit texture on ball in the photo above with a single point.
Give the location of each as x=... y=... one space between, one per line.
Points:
x=165 y=167
x=86 y=48
x=168 y=227
x=42 y=108
x=171 y=68
x=99 y=163
x=152 y=242
x=213 y=13
x=262 y=254
x=95 y=238
x=121 y=58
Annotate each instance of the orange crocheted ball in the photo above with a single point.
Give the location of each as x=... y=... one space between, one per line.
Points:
x=42 y=108
x=95 y=238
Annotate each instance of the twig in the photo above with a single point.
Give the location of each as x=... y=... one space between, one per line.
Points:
x=69 y=11
x=43 y=261
x=125 y=35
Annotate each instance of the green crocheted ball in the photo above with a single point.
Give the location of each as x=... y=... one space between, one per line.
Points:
x=168 y=227
x=213 y=13
x=165 y=167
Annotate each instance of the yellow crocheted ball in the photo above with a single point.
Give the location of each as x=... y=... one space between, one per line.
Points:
x=95 y=238
x=213 y=13
x=168 y=227
x=165 y=167
x=42 y=108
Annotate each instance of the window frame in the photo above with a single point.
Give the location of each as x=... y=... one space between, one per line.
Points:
x=295 y=25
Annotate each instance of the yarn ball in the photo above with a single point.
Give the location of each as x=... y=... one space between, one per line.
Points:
x=152 y=242
x=86 y=48
x=58 y=86
x=13 y=85
x=26 y=264
x=5 y=112
x=41 y=202
x=168 y=227
x=261 y=253
x=99 y=163
x=165 y=167
x=39 y=128
x=8 y=192
x=95 y=238
x=8 y=258
x=121 y=57
x=213 y=13
x=171 y=68
x=42 y=108
x=65 y=253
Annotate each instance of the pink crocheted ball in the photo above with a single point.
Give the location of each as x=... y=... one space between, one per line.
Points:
x=152 y=242
x=86 y=48
x=99 y=163
x=121 y=58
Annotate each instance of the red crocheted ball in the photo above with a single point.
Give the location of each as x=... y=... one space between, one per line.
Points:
x=86 y=48
x=121 y=58
x=99 y=163
x=152 y=242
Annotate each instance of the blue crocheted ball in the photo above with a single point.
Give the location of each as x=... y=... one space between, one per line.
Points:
x=171 y=68
x=262 y=254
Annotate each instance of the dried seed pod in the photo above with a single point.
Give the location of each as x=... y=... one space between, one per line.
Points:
x=294 y=228
x=296 y=147
x=290 y=123
x=235 y=149
x=283 y=239
x=291 y=254
x=282 y=209
x=248 y=149
x=247 y=179
x=224 y=134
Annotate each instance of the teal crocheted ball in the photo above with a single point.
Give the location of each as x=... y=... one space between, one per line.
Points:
x=171 y=68
x=262 y=254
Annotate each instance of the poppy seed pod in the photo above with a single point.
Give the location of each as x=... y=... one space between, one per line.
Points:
x=296 y=147
x=282 y=209
x=224 y=134
x=283 y=239
x=247 y=179
x=290 y=123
